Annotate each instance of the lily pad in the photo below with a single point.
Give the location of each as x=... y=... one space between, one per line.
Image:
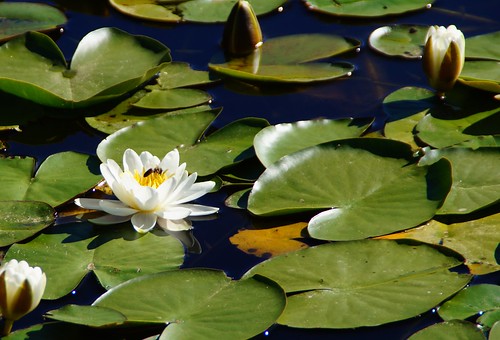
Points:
x=475 y=240
x=59 y=178
x=205 y=11
x=482 y=74
x=19 y=17
x=476 y=183
x=114 y=254
x=273 y=142
x=198 y=303
x=369 y=186
x=22 y=219
x=202 y=154
x=367 y=9
x=480 y=47
x=482 y=298
x=404 y=40
x=93 y=316
x=52 y=330
x=178 y=74
x=34 y=68
x=352 y=284
x=290 y=59
x=450 y=330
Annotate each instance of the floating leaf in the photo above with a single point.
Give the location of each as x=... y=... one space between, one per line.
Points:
x=203 y=154
x=114 y=254
x=34 y=68
x=289 y=59
x=475 y=240
x=366 y=9
x=450 y=330
x=93 y=316
x=483 y=74
x=198 y=303
x=178 y=74
x=193 y=10
x=59 y=178
x=361 y=283
x=19 y=17
x=402 y=40
x=52 y=330
x=481 y=46
x=367 y=184
x=172 y=99
x=239 y=199
x=22 y=219
x=271 y=241
x=273 y=142
x=482 y=298
x=476 y=183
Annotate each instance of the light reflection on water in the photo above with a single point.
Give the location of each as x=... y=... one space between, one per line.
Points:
x=361 y=95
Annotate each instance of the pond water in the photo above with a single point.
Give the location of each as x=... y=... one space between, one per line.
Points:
x=360 y=95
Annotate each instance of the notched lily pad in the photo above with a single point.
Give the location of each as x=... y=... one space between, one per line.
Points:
x=406 y=41
x=19 y=17
x=34 y=68
x=366 y=9
x=291 y=59
x=205 y=11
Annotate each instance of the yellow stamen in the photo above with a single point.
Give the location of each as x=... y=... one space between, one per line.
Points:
x=151 y=177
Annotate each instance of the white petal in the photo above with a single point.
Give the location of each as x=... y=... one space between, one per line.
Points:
x=174 y=225
x=146 y=198
x=116 y=208
x=110 y=219
x=174 y=213
x=200 y=210
x=196 y=191
x=132 y=162
x=149 y=161
x=171 y=161
x=89 y=203
x=144 y=222
x=183 y=186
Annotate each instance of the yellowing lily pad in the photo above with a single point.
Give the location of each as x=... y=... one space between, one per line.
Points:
x=367 y=9
x=271 y=241
x=19 y=17
x=475 y=240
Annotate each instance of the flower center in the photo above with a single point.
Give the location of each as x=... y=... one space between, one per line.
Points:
x=153 y=177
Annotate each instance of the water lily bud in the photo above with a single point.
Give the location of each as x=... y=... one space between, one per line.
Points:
x=242 y=34
x=21 y=289
x=444 y=56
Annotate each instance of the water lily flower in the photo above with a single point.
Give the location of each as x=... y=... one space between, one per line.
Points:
x=150 y=192
x=242 y=34
x=444 y=56
x=21 y=289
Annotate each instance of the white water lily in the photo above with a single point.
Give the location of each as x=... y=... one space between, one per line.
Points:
x=150 y=192
x=21 y=289
x=444 y=56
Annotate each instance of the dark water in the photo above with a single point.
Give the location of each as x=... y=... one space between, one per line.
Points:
x=359 y=96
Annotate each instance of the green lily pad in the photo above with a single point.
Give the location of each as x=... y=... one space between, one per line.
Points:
x=59 y=178
x=476 y=183
x=178 y=74
x=408 y=101
x=482 y=74
x=238 y=200
x=114 y=254
x=475 y=240
x=93 y=316
x=22 y=219
x=202 y=154
x=482 y=298
x=404 y=40
x=205 y=11
x=481 y=47
x=172 y=99
x=273 y=142
x=289 y=59
x=17 y=18
x=440 y=132
x=199 y=303
x=450 y=330
x=33 y=67
x=366 y=9
x=352 y=284
x=53 y=331
x=369 y=186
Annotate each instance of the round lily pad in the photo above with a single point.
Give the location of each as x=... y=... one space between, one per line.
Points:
x=367 y=9
x=403 y=40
